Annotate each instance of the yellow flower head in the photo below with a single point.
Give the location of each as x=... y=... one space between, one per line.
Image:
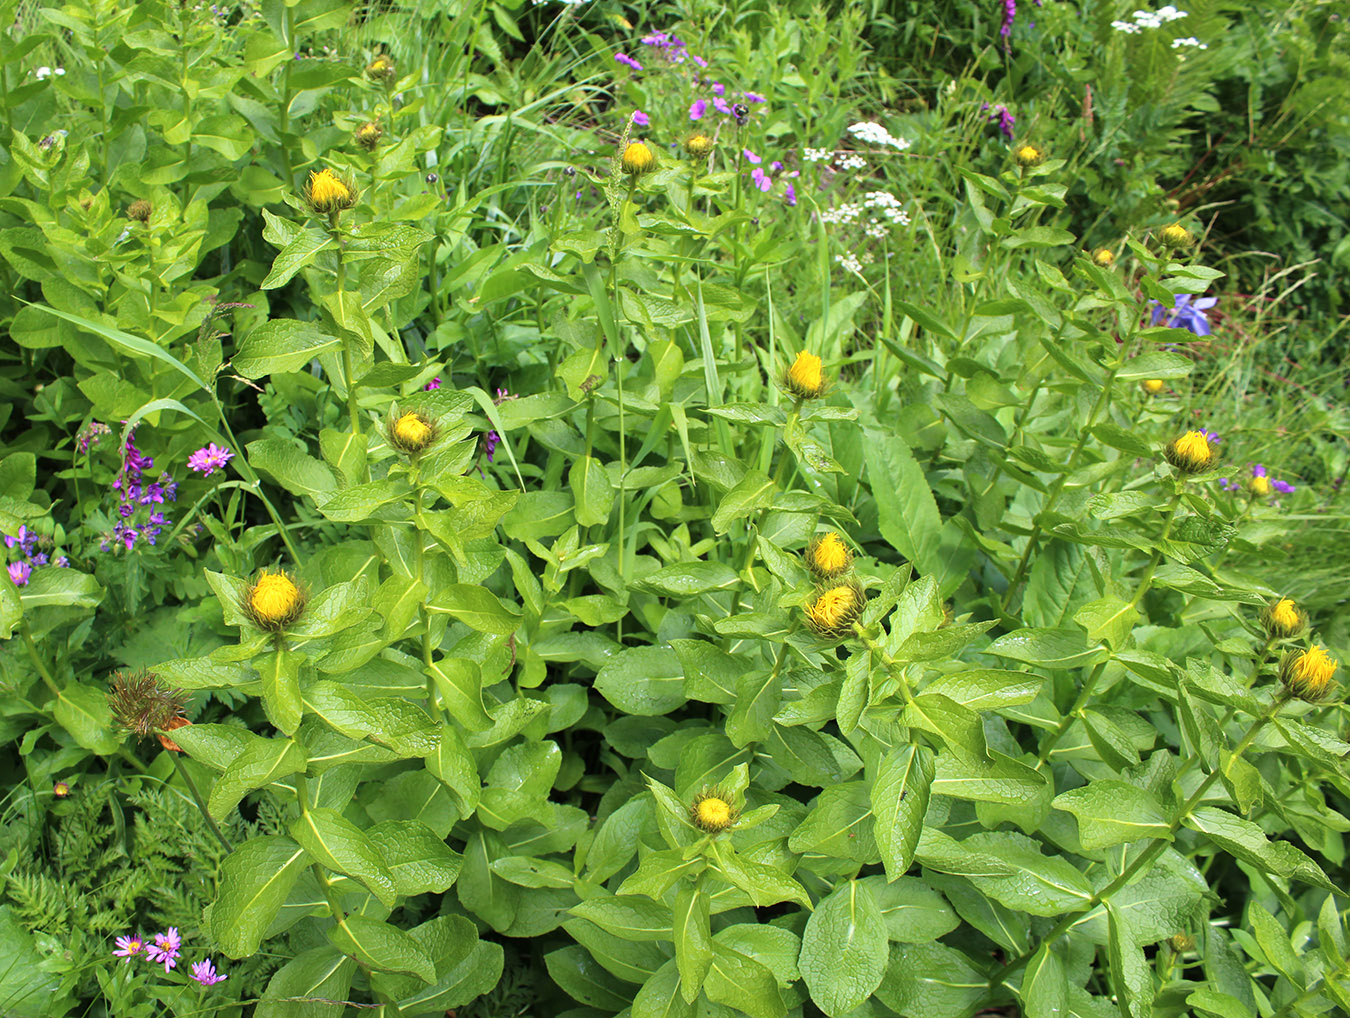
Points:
x=698 y=145
x=832 y=612
x=1283 y=619
x=1104 y=257
x=712 y=811
x=381 y=68
x=411 y=432
x=828 y=557
x=1259 y=486
x=637 y=159
x=1192 y=453
x=368 y=135
x=1028 y=154
x=60 y=789
x=805 y=378
x=1175 y=235
x=140 y=210
x=1307 y=673
x=328 y=194
x=274 y=601
x=1153 y=386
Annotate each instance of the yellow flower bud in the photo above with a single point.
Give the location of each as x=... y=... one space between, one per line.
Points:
x=1175 y=235
x=1283 y=619
x=368 y=135
x=274 y=601
x=1192 y=453
x=832 y=612
x=1104 y=257
x=381 y=68
x=712 y=811
x=637 y=159
x=140 y=211
x=1259 y=486
x=411 y=432
x=698 y=145
x=1307 y=673
x=1153 y=386
x=828 y=557
x=805 y=378
x=328 y=194
x=1027 y=154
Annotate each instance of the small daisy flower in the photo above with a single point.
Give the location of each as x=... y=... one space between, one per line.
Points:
x=208 y=459
x=165 y=948
x=205 y=973
x=129 y=947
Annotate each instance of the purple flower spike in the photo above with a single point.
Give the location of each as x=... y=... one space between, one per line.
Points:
x=718 y=89
x=208 y=459
x=761 y=179
x=721 y=106
x=790 y=195
x=627 y=61
x=1258 y=470
x=751 y=158
x=754 y=97
x=205 y=973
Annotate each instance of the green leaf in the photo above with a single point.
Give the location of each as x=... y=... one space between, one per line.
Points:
x=646 y=681
x=296 y=255
x=1039 y=884
x=1114 y=812
x=685 y=579
x=295 y=471
x=844 y=949
x=1248 y=842
x=753 y=492
x=627 y=916
x=253 y=883
x=584 y=980
x=280 y=673
x=1131 y=974
x=959 y=727
x=83 y=712
x=907 y=511
x=914 y=913
x=282 y=344
x=899 y=800
x=839 y=824
x=397 y=723
x=418 y=860
x=660 y=996
x=466 y=967
x=740 y=982
x=454 y=764
x=693 y=939
x=477 y=607
x=1049 y=648
x=931 y=980
x=310 y=985
x=257 y=766
x=1045 y=985
x=340 y=845
x=593 y=493
x=378 y=945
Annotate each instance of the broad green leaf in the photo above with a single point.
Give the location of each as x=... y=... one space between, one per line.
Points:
x=280 y=674
x=1113 y=812
x=83 y=712
x=693 y=939
x=280 y=345
x=380 y=946
x=477 y=607
x=931 y=979
x=1248 y=842
x=899 y=800
x=743 y=983
x=257 y=766
x=844 y=949
x=628 y=916
x=252 y=885
x=340 y=845
x=645 y=681
x=310 y=985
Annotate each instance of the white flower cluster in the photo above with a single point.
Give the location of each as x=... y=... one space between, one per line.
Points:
x=1148 y=19
x=850 y=263
x=852 y=161
x=841 y=214
x=875 y=134
x=816 y=155
x=1190 y=41
x=46 y=72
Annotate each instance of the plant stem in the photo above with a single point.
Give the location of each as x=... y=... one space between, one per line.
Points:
x=201 y=804
x=37 y=659
x=1156 y=558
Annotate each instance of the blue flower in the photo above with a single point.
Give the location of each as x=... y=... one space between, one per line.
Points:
x=1188 y=314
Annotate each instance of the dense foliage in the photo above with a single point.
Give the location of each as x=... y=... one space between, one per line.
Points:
x=765 y=510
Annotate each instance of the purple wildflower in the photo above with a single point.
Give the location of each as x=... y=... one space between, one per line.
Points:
x=1009 y=16
x=641 y=119
x=205 y=973
x=1283 y=487
x=1258 y=470
x=19 y=573
x=62 y=562
x=761 y=179
x=697 y=108
x=208 y=459
x=165 y=948
x=718 y=89
x=435 y=383
x=721 y=106
x=775 y=166
x=698 y=60
x=790 y=195
x=627 y=61
x=89 y=435
x=750 y=157
x=1188 y=314
x=753 y=97
x=128 y=948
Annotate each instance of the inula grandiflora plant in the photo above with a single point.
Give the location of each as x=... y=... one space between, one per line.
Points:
x=507 y=512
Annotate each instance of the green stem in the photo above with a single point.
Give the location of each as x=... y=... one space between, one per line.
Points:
x=1157 y=555
x=201 y=804
x=37 y=659
x=896 y=669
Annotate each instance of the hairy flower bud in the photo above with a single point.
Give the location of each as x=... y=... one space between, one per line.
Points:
x=140 y=210
x=1153 y=386
x=1192 y=453
x=1283 y=619
x=1104 y=257
x=143 y=706
x=328 y=194
x=382 y=69
x=828 y=557
x=833 y=610
x=368 y=135
x=411 y=432
x=805 y=379
x=1026 y=155
x=637 y=159
x=1307 y=673
x=698 y=145
x=273 y=602
x=1175 y=235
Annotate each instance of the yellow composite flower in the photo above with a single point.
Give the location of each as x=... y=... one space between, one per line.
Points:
x=833 y=610
x=368 y=135
x=381 y=68
x=1028 y=154
x=411 y=432
x=1153 y=386
x=1259 y=486
x=1104 y=257
x=1192 y=453
x=828 y=557
x=1307 y=673
x=327 y=193
x=637 y=159
x=712 y=811
x=1283 y=619
x=274 y=601
x=806 y=377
